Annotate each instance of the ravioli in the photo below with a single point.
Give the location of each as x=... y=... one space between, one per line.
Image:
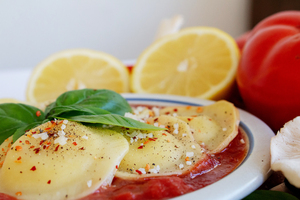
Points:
x=4 y=148
x=213 y=126
x=161 y=153
x=61 y=160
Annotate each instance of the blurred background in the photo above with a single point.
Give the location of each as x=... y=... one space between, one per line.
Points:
x=32 y=30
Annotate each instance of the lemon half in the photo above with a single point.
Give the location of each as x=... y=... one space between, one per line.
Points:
x=76 y=69
x=197 y=62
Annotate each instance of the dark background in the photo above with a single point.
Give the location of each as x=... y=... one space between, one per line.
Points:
x=260 y=9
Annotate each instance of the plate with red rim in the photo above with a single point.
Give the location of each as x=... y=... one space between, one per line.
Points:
x=253 y=171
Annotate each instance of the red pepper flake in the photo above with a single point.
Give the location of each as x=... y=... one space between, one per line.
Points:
x=152 y=139
x=164 y=134
x=33 y=132
x=74 y=143
x=187 y=159
x=140 y=147
x=49 y=182
x=18 y=148
x=38 y=113
x=146 y=142
x=56 y=148
x=27 y=142
x=31 y=147
x=19 y=158
x=138 y=171
x=20 y=141
x=42 y=141
x=44 y=147
x=166 y=113
x=33 y=168
x=82 y=148
x=175 y=110
x=18 y=193
x=37 y=150
x=3 y=149
x=48 y=128
x=117 y=167
x=188 y=107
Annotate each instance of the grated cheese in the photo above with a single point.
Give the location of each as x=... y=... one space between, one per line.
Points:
x=142 y=170
x=85 y=137
x=156 y=111
x=189 y=154
x=43 y=136
x=63 y=126
x=188 y=162
x=89 y=183
x=62 y=140
x=176 y=126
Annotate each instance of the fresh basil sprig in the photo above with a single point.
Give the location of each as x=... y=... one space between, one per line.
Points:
x=87 y=106
x=113 y=119
x=14 y=116
x=89 y=98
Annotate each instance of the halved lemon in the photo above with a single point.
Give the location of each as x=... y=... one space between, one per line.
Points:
x=198 y=62
x=76 y=69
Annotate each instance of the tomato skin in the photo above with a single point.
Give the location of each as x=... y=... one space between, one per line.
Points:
x=268 y=76
x=241 y=40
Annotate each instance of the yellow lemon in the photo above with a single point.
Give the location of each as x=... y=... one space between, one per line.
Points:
x=198 y=62
x=76 y=69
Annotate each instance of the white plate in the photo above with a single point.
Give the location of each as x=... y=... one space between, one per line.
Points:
x=254 y=170
x=246 y=178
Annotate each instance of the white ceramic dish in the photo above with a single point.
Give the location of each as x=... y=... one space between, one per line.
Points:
x=246 y=178
x=249 y=175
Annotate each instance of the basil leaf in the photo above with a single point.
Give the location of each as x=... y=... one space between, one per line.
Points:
x=103 y=99
x=14 y=116
x=49 y=108
x=269 y=195
x=74 y=110
x=115 y=120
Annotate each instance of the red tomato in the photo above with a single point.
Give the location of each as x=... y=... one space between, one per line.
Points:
x=269 y=73
x=242 y=40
